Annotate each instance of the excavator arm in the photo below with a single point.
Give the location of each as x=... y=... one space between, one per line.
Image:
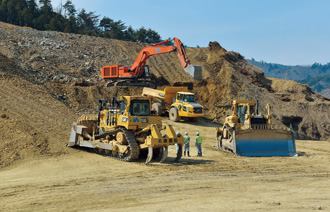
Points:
x=137 y=74
x=155 y=49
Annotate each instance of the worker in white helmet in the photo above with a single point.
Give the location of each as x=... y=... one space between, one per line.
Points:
x=186 y=146
x=198 y=144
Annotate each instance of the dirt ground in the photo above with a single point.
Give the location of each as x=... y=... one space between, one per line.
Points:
x=48 y=79
x=83 y=181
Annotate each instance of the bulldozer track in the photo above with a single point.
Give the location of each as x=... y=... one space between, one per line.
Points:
x=134 y=149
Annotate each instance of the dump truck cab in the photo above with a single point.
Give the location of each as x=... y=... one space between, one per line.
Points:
x=187 y=106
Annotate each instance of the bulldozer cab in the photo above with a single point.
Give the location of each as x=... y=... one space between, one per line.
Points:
x=140 y=107
x=135 y=106
x=185 y=97
x=243 y=109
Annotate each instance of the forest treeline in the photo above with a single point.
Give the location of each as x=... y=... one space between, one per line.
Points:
x=41 y=15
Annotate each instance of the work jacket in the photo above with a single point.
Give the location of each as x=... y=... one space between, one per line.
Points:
x=199 y=139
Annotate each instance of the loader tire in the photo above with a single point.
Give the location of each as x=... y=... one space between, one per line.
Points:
x=174 y=115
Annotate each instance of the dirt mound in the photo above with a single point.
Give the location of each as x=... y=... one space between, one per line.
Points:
x=48 y=79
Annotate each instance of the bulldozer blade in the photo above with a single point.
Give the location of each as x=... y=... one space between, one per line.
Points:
x=263 y=143
x=178 y=153
x=150 y=155
x=194 y=71
x=165 y=152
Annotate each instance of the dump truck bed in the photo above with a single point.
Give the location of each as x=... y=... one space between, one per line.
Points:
x=166 y=95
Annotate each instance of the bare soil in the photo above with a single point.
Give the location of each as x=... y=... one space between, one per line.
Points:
x=48 y=79
x=218 y=181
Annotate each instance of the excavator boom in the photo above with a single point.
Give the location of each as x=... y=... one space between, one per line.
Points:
x=138 y=70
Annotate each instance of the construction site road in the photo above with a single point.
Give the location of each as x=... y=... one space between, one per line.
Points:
x=218 y=181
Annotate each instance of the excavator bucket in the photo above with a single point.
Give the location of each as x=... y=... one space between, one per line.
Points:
x=194 y=71
x=264 y=142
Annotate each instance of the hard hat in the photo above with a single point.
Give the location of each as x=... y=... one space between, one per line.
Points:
x=186 y=133
x=197 y=133
x=177 y=133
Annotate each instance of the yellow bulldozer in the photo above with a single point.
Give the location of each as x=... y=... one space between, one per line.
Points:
x=125 y=129
x=247 y=133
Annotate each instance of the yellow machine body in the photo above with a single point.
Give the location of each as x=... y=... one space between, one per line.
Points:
x=247 y=133
x=176 y=101
x=124 y=129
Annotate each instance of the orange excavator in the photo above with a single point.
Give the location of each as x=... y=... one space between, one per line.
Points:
x=138 y=73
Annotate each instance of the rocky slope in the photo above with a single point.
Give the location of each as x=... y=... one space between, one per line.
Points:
x=48 y=78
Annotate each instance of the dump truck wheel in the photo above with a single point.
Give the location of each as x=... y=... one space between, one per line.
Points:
x=174 y=115
x=158 y=108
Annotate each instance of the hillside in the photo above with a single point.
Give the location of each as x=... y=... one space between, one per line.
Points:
x=49 y=78
x=316 y=75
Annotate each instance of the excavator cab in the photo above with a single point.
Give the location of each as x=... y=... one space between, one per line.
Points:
x=146 y=72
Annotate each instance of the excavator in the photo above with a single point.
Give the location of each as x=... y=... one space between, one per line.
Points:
x=125 y=129
x=138 y=73
x=248 y=133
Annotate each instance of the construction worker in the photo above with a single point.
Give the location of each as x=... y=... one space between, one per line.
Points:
x=186 y=140
x=177 y=147
x=198 y=144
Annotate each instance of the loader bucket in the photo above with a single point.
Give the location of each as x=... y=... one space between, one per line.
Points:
x=265 y=143
x=194 y=71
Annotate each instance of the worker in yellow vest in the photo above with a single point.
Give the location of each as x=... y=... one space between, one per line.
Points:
x=198 y=144
x=186 y=146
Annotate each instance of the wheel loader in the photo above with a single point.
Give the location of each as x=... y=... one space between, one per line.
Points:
x=247 y=133
x=176 y=101
x=125 y=129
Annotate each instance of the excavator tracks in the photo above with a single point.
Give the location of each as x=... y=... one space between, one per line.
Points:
x=136 y=83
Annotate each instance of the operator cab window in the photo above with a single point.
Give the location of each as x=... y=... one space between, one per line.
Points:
x=122 y=107
x=252 y=110
x=140 y=108
x=189 y=98
x=241 y=111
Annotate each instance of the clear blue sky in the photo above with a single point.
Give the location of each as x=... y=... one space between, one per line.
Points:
x=291 y=32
